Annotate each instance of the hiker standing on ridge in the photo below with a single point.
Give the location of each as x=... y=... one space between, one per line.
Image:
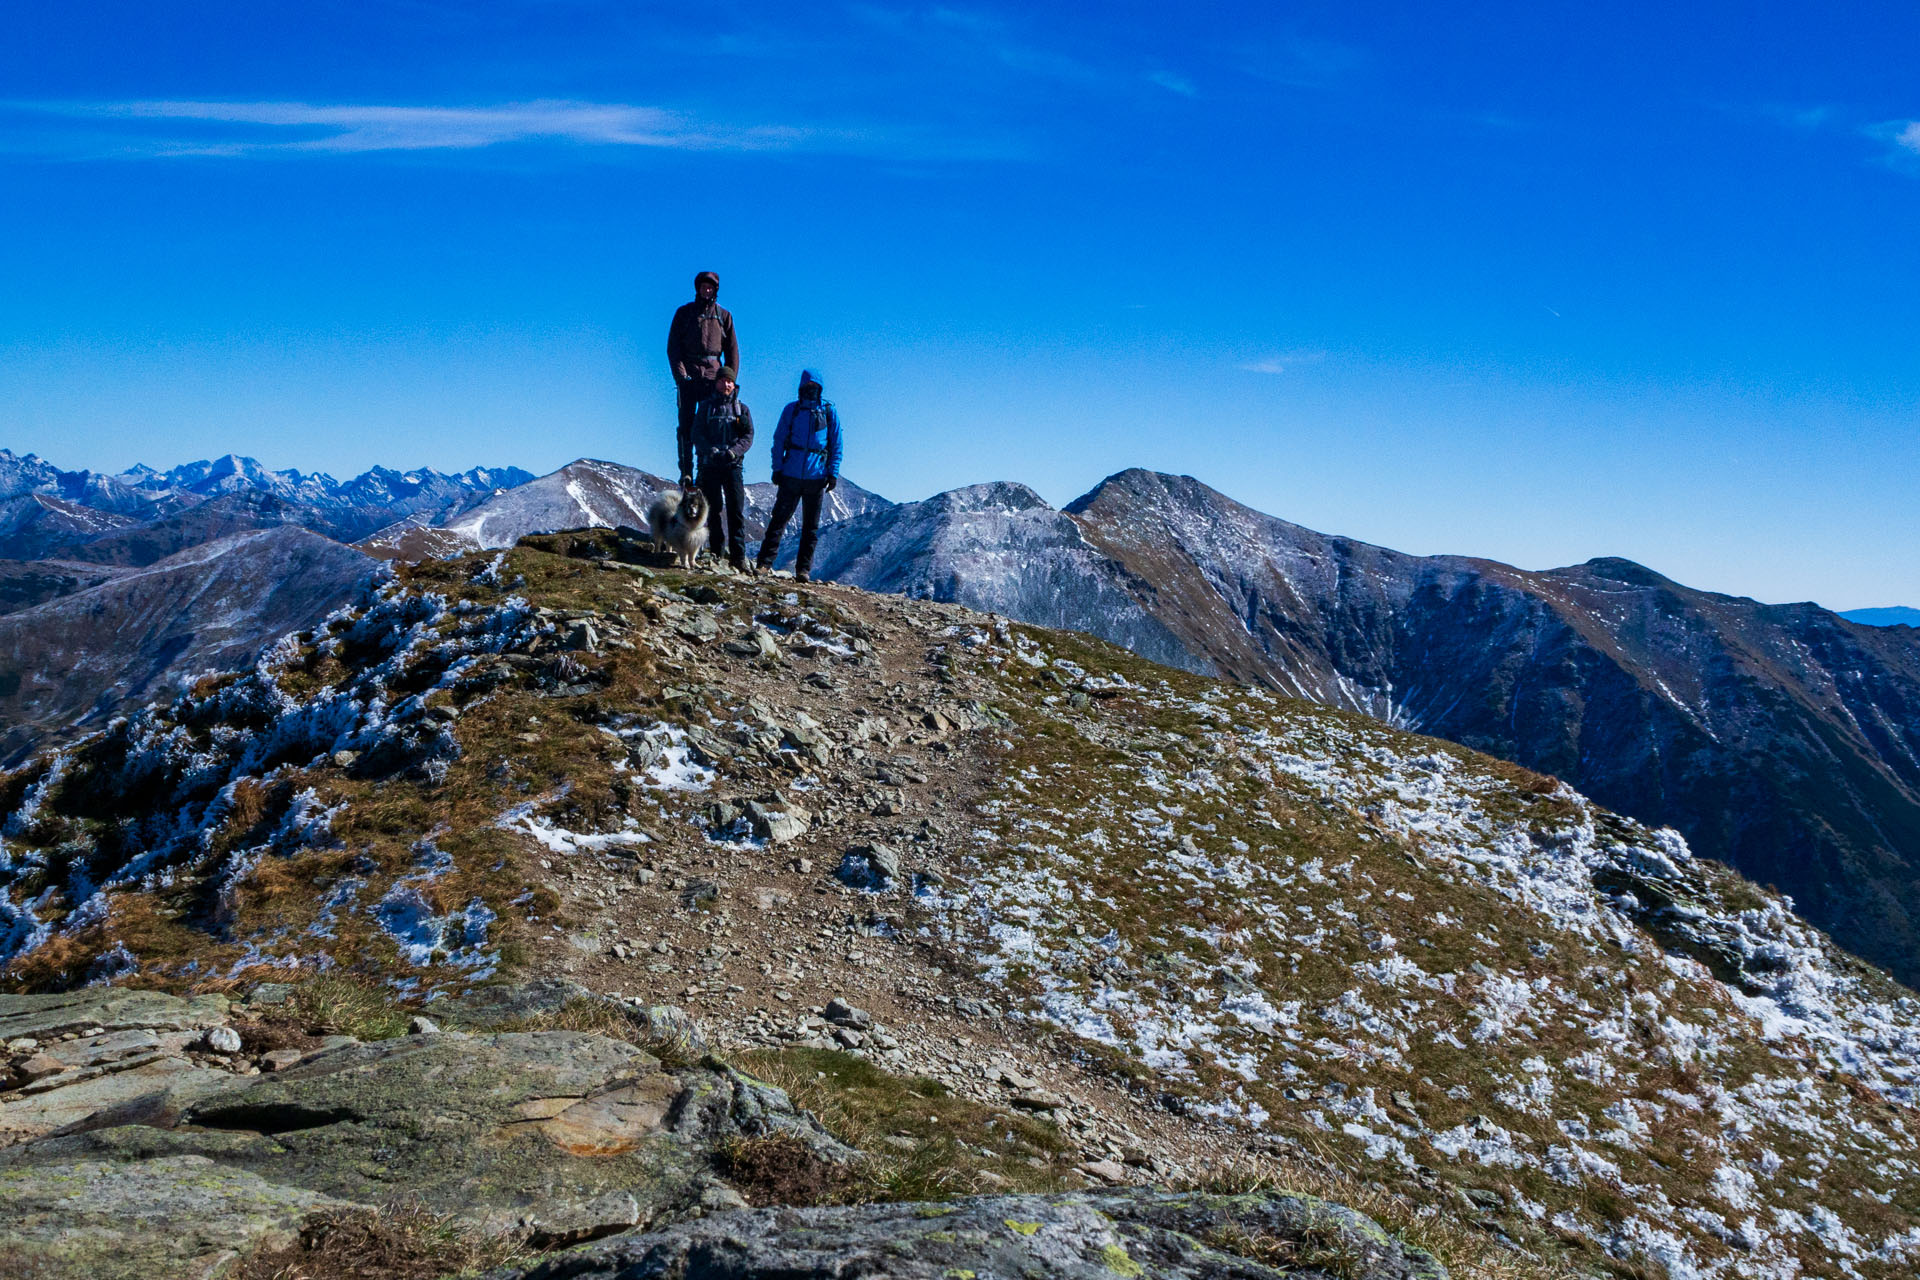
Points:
x=716 y=440
x=700 y=342
x=806 y=464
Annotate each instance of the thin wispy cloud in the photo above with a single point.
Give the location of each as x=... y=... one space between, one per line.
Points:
x=1282 y=361
x=1174 y=83
x=1805 y=118
x=1900 y=138
x=196 y=128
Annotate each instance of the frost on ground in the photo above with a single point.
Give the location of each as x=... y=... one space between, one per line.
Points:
x=194 y=803
x=1313 y=926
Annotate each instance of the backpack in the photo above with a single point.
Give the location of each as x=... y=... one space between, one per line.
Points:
x=819 y=420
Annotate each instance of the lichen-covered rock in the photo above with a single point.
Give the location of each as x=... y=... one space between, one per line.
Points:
x=181 y=1217
x=503 y=1003
x=151 y=1091
x=561 y=1134
x=1058 y=1237
x=107 y=1008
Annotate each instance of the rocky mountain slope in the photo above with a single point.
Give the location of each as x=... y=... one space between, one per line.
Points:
x=78 y=530
x=1011 y=910
x=1779 y=738
x=1000 y=548
x=77 y=535
x=69 y=664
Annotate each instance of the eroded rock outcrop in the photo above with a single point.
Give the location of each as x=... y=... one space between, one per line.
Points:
x=559 y=1136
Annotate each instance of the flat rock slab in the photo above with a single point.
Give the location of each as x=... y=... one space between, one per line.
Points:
x=108 y=1008
x=1092 y=1236
x=491 y=1127
x=490 y=1007
x=145 y=1092
x=561 y=1133
x=176 y=1218
x=564 y=1135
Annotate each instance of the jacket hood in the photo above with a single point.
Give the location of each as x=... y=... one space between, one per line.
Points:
x=808 y=378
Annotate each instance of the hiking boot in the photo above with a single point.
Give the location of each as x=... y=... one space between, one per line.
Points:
x=801 y=575
x=738 y=561
x=761 y=568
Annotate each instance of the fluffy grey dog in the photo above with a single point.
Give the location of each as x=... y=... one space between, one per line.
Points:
x=678 y=523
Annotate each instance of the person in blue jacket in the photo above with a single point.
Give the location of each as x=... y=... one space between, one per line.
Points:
x=806 y=465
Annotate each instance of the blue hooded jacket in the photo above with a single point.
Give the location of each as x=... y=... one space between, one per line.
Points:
x=806 y=444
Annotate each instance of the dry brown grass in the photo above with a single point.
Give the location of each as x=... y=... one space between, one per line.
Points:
x=1313 y=1248
x=615 y=1021
x=912 y=1129
x=781 y=1170
x=1467 y=1253
x=403 y=1241
x=340 y=1004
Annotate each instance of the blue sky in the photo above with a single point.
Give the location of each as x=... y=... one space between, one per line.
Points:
x=1534 y=282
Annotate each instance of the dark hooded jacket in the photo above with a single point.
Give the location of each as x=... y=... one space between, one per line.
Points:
x=719 y=427
x=700 y=341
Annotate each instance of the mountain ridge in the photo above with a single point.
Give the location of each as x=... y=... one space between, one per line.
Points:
x=205 y=609
x=1781 y=738
x=1898 y=615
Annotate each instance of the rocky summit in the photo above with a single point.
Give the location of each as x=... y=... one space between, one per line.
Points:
x=545 y=911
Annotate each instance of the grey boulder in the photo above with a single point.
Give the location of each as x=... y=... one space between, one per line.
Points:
x=109 y=1009
x=179 y=1216
x=871 y=867
x=1075 y=1236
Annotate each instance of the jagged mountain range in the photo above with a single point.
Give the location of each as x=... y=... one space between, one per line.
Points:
x=47 y=511
x=1783 y=739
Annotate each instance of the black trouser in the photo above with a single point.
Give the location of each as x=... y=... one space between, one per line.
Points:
x=805 y=494
x=722 y=478
x=692 y=392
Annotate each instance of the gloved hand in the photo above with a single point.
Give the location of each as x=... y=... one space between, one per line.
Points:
x=832 y=483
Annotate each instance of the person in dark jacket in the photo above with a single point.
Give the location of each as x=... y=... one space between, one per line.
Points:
x=713 y=447
x=806 y=465
x=701 y=342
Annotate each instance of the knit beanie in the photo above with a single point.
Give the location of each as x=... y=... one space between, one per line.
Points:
x=726 y=374
x=705 y=276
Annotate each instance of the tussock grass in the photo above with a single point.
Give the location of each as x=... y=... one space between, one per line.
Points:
x=339 y=1004
x=615 y=1021
x=922 y=1142
x=781 y=1170
x=402 y=1241
x=1468 y=1254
